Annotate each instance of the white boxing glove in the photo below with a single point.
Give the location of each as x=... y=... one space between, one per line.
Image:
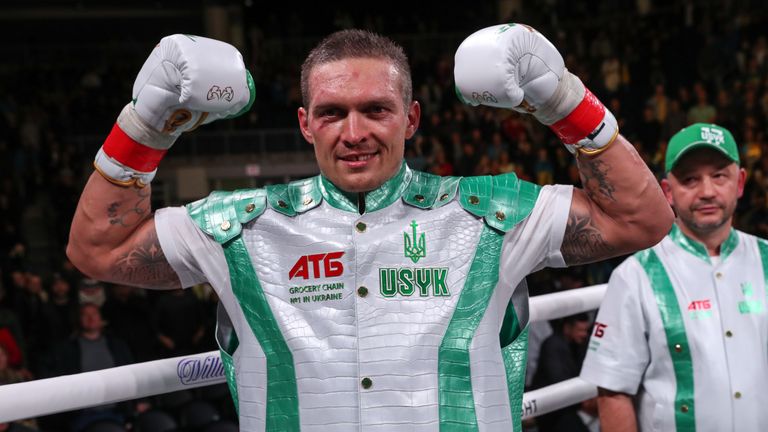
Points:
x=186 y=81
x=514 y=66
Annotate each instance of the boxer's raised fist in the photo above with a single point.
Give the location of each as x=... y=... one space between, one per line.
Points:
x=507 y=66
x=191 y=80
x=186 y=81
x=514 y=66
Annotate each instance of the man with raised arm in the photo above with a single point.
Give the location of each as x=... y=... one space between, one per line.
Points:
x=372 y=296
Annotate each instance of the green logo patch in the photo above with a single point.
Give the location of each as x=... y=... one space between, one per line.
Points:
x=414 y=247
x=749 y=306
x=407 y=281
x=747 y=289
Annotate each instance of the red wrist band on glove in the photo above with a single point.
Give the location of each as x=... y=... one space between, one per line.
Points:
x=582 y=121
x=122 y=148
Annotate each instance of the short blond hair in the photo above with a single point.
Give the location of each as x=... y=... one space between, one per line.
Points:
x=356 y=43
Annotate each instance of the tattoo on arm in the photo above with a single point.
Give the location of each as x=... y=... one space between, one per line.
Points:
x=135 y=213
x=146 y=266
x=594 y=178
x=583 y=242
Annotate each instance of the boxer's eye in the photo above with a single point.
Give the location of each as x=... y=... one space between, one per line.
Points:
x=330 y=112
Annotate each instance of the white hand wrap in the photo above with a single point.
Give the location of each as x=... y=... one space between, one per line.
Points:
x=120 y=174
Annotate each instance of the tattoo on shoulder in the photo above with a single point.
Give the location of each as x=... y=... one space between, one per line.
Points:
x=146 y=266
x=131 y=214
x=583 y=242
x=594 y=178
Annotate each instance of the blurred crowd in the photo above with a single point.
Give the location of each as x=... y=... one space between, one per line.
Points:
x=658 y=68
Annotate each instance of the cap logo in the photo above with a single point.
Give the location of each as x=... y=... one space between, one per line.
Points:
x=712 y=136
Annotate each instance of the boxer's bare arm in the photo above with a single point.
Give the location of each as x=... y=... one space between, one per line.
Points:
x=620 y=208
x=113 y=237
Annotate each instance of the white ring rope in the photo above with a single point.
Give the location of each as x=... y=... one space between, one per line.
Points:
x=564 y=303
x=556 y=396
x=71 y=392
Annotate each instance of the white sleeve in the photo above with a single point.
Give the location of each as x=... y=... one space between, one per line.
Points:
x=195 y=256
x=618 y=353
x=535 y=242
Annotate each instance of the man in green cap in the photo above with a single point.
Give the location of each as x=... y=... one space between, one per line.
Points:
x=681 y=339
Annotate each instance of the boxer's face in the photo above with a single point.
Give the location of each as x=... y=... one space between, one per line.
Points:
x=357 y=121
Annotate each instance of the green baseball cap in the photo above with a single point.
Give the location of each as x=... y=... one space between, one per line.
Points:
x=700 y=135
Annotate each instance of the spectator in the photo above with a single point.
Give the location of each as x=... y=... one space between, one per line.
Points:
x=483 y=166
x=64 y=307
x=676 y=119
x=91 y=292
x=11 y=351
x=703 y=111
x=468 y=160
x=10 y=375
x=11 y=335
x=89 y=350
x=684 y=97
x=560 y=359
x=649 y=131
x=538 y=332
x=498 y=146
x=756 y=217
x=129 y=315
x=543 y=168
x=512 y=126
x=179 y=321
x=440 y=165
x=413 y=154
x=562 y=166
x=659 y=103
x=611 y=72
x=525 y=158
x=505 y=165
x=17 y=283
x=726 y=110
x=209 y=302
x=36 y=316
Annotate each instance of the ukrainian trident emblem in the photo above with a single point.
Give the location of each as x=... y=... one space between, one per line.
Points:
x=414 y=247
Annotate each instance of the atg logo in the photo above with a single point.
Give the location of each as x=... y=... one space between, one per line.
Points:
x=600 y=329
x=699 y=309
x=700 y=305
x=196 y=370
x=309 y=266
